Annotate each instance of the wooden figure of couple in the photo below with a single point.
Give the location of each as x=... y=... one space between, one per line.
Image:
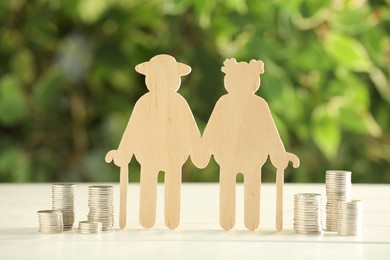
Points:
x=162 y=134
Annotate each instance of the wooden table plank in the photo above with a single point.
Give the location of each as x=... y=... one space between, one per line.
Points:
x=198 y=235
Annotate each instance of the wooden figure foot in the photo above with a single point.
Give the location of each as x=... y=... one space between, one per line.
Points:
x=172 y=198
x=227 y=196
x=252 y=181
x=147 y=211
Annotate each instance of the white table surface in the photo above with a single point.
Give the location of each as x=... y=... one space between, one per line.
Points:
x=198 y=236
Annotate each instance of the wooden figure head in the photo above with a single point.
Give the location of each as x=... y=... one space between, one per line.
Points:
x=242 y=77
x=157 y=69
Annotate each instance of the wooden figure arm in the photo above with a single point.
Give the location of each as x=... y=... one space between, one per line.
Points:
x=197 y=151
x=117 y=156
x=278 y=155
x=122 y=156
x=207 y=140
x=281 y=160
x=199 y=155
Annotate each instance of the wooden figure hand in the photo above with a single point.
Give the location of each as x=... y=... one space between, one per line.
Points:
x=119 y=159
x=200 y=158
x=280 y=161
x=200 y=161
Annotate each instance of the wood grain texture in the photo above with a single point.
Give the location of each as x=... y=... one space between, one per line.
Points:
x=124 y=173
x=161 y=134
x=241 y=135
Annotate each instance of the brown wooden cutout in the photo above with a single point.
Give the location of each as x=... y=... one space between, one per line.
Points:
x=161 y=134
x=241 y=134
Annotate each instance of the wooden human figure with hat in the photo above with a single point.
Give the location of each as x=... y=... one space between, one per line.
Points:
x=161 y=134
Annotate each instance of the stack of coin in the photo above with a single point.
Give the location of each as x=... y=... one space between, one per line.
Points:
x=87 y=227
x=101 y=209
x=62 y=199
x=350 y=218
x=338 y=188
x=307 y=213
x=50 y=221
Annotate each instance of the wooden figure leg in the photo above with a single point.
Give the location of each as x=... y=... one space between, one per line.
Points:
x=172 y=181
x=279 y=199
x=227 y=197
x=252 y=182
x=147 y=211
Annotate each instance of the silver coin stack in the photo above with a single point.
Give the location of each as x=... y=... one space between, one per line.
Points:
x=101 y=209
x=63 y=200
x=338 y=188
x=87 y=227
x=350 y=218
x=307 y=213
x=50 y=221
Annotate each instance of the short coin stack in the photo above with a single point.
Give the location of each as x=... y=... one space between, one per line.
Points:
x=101 y=209
x=63 y=200
x=350 y=218
x=307 y=213
x=338 y=188
x=87 y=227
x=50 y=221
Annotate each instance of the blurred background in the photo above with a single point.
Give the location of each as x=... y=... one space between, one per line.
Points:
x=68 y=84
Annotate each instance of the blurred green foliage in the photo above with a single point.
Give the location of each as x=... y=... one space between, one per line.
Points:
x=68 y=85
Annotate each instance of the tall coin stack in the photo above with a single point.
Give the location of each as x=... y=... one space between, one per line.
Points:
x=338 y=189
x=63 y=199
x=307 y=213
x=350 y=218
x=101 y=209
x=50 y=221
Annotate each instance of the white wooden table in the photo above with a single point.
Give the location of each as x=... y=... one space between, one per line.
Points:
x=198 y=236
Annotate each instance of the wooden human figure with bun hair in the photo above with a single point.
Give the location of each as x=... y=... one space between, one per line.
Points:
x=161 y=134
x=241 y=135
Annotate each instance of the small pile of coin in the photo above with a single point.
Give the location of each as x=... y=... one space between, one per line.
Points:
x=350 y=218
x=63 y=200
x=307 y=213
x=338 y=189
x=50 y=221
x=87 y=227
x=101 y=209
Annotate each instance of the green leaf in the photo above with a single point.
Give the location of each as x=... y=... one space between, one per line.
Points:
x=203 y=9
x=349 y=90
x=326 y=131
x=238 y=5
x=48 y=87
x=359 y=122
x=353 y=21
x=348 y=52
x=381 y=83
x=91 y=10
x=23 y=65
x=15 y=165
x=13 y=105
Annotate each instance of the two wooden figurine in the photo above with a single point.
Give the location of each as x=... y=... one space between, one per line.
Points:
x=162 y=134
